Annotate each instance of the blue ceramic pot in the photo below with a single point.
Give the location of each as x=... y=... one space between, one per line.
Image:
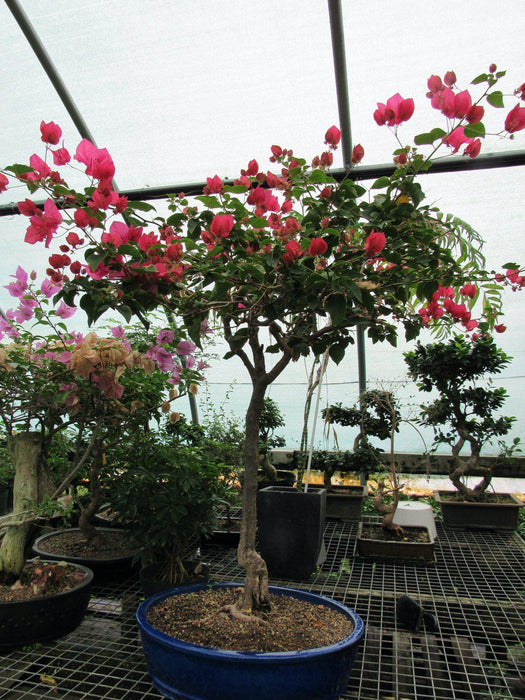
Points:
x=187 y=671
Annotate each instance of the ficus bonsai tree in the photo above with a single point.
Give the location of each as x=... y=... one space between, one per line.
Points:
x=53 y=380
x=285 y=262
x=465 y=413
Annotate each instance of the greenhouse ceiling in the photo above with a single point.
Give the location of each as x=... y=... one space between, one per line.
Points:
x=180 y=90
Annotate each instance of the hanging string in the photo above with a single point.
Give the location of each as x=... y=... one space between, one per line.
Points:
x=316 y=411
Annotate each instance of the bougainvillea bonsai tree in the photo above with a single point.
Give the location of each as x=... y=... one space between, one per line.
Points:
x=286 y=261
x=53 y=380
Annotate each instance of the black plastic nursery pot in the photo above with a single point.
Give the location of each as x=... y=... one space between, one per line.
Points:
x=43 y=619
x=183 y=670
x=104 y=569
x=345 y=502
x=479 y=515
x=290 y=529
x=395 y=550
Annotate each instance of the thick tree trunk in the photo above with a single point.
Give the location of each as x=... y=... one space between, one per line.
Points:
x=256 y=592
x=26 y=449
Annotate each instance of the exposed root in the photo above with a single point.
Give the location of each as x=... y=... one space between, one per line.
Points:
x=237 y=614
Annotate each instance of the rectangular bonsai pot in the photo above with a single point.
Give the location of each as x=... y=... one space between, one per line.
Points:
x=479 y=515
x=396 y=550
x=345 y=502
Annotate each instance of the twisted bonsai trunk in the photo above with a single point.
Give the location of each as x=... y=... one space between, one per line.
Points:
x=469 y=467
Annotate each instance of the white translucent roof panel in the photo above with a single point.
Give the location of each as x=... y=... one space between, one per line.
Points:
x=178 y=91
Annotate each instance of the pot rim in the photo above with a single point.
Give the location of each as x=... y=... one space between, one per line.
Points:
x=81 y=584
x=248 y=656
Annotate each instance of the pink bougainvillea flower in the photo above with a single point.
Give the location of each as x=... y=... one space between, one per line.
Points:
x=44 y=224
x=3 y=182
x=332 y=137
x=65 y=311
x=473 y=148
x=162 y=357
x=18 y=288
x=434 y=84
x=396 y=110
x=222 y=225
x=463 y=103
x=456 y=139
x=500 y=328
x=469 y=290
x=98 y=162
x=358 y=153
x=61 y=156
x=214 y=184
x=317 y=247
x=515 y=120
x=40 y=169
x=57 y=261
x=51 y=132
x=293 y=251
x=185 y=347
x=475 y=114
x=166 y=335
x=49 y=288
x=450 y=78
x=374 y=243
x=253 y=168
x=27 y=207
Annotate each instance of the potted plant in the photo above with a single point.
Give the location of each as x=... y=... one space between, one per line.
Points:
x=286 y=263
x=388 y=540
x=168 y=493
x=465 y=414
x=373 y=418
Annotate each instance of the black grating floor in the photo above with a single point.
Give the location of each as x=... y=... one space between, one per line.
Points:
x=476 y=589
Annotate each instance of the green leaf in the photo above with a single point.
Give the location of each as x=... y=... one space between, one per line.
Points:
x=318 y=176
x=495 y=98
x=209 y=201
x=141 y=206
x=235 y=189
x=126 y=312
x=130 y=250
x=337 y=353
x=381 y=182
x=475 y=130
x=482 y=78
x=429 y=137
x=19 y=169
x=94 y=257
x=336 y=307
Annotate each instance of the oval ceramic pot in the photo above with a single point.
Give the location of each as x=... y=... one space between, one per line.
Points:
x=43 y=619
x=183 y=670
x=104 y=569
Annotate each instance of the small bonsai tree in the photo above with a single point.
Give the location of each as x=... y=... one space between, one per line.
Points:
x=465 y=413
x=167 y=494
x=375 y=415
x=286 y=263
